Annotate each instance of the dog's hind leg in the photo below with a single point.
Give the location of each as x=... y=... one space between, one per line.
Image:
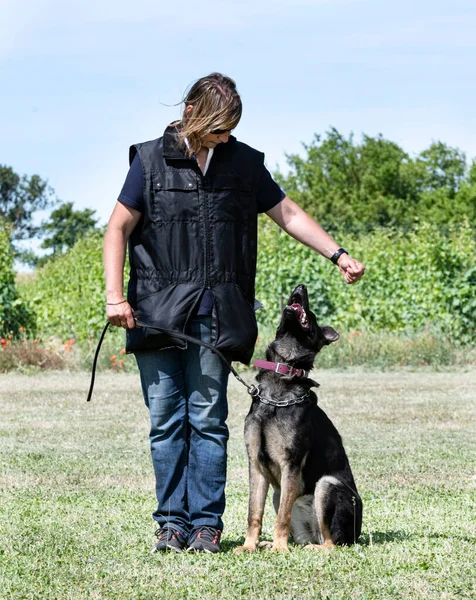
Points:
x=338 y=513
x=257 y=499
x=323 y=511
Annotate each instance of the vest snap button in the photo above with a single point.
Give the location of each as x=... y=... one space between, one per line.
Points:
x=159 y=185
x=190 y=185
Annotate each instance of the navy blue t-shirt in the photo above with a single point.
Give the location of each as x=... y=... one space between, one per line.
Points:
x=132 y=195
x=269 y=193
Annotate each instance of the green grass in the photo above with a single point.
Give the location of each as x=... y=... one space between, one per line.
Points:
x=77 y=493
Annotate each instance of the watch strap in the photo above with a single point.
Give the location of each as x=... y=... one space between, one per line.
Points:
x=335 y=257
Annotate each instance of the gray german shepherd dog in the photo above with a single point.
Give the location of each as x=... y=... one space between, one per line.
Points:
x=294 y=446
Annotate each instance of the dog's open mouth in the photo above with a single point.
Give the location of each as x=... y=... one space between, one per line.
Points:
x=301 y=314
x=297 y=305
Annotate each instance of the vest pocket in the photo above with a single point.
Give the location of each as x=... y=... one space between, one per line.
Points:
x=233 y=198
x=174 y=197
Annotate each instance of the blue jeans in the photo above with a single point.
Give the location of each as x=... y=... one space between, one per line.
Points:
x=185 y=392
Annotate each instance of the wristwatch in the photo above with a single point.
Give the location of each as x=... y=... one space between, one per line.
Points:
x=337 y=254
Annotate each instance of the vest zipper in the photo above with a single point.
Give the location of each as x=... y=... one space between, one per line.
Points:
x=206 y=218
x=206 y=215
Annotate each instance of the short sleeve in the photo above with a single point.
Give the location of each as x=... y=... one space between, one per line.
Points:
x=269 y=193
x=132 y=193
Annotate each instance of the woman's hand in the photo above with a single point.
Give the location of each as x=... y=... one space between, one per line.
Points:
x=350 y=268
x=120 y=226
x=120 y=314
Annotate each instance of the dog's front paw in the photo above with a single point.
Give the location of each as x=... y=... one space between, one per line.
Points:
x=326 y=546
x=245 y=548
x=280 y=547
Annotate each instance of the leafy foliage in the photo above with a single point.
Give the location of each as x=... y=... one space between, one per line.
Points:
x=343 y=184
x=415 y=281
x=14 y=312
x=67 y=293
x=20 y=198
x=64 y=228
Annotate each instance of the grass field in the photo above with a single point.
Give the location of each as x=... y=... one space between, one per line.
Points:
x=77 y=493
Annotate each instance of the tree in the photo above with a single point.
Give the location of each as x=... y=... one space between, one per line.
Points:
x=352 y=186
x=65 y=226
x=444 y=168
x=357 y=187
x=20 y=198
x=465 y=199
x=447 y=186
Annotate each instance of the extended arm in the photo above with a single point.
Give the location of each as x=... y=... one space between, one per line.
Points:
x=298 y=224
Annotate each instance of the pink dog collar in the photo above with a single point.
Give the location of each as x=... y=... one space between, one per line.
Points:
x=278 y=367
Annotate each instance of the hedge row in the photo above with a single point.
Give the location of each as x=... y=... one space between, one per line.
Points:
x=426 y=278
x=14 y=311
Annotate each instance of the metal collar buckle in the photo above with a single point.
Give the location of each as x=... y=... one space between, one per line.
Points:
x=290 y=370
x=298 y=372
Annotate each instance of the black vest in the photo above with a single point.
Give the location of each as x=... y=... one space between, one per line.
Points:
x=197 y=232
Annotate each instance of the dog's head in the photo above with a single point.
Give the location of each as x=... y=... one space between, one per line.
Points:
x=298 y=336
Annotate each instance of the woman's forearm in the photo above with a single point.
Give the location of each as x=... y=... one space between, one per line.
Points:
x=298 y=224
x=120 y=226
x=115 y=244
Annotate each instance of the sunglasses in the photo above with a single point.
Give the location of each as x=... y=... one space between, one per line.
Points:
x=220 y=131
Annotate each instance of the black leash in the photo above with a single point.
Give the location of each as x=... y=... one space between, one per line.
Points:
x=251 y=388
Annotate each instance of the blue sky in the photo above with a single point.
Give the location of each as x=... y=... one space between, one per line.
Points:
x=82 y=80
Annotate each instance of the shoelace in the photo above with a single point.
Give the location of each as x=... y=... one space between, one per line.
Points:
x=169 y=534
x=208 y=534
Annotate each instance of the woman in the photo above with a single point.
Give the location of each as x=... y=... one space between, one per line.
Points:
x=188 y=211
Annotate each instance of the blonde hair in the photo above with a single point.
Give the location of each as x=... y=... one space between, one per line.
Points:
x=215 y=103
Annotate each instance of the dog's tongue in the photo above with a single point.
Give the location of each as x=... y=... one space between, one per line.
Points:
x=298 y=309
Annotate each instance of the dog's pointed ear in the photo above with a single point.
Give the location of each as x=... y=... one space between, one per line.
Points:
x=329 y=334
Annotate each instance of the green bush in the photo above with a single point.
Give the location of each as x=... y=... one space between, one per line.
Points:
x=422 y=280
x=412 y=281
x=14 y=312
x=68 y=293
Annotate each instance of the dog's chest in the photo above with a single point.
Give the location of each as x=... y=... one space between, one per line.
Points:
x=273 y=446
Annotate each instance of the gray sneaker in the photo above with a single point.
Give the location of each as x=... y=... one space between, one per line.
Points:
x=205 y=539
x=169 y=538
